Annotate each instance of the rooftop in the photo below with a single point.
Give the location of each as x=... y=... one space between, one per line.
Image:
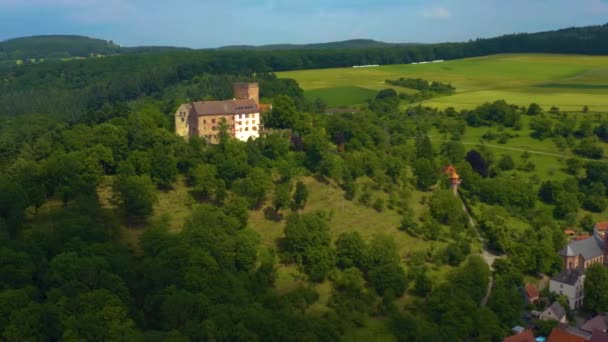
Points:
x=531 y=291
x=557 y=309
x=242 y=106
x=569 y=277
x=589 y=248
x=596 y=323
x=599 y=336
x=602 y=226
x=559 y=335
x=525 y=336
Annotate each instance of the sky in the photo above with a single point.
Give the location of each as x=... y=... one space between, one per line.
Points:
x=205 y=23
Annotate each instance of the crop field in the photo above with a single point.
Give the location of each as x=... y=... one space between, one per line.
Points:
x=566 y=81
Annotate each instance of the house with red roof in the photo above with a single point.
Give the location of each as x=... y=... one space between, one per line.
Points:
x=525 y=336
x=560 y=335
x=532 y=294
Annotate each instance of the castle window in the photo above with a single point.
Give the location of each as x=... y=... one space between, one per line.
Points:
x=253 y=122
x=212 y=120
x=182 y=119
x=240 y=116
x=214 y=128
x=204 y=122
x=246 y=129
x=255 y=128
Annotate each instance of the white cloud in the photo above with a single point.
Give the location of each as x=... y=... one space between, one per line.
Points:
x=437 y=13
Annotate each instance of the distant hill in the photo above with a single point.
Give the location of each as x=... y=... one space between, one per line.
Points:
x=34 y=49
x=346 y=44
x=55 y=47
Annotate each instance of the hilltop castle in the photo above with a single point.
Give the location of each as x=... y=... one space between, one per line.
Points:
x=241 y=114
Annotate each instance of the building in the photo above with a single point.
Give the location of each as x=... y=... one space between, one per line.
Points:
x=532 y=294
x=241 y=116
x=577 y=256
x=555 y=312
x=599 y=336
x=524 y=336
x=584 y=252
x=558 y=334
x=570 y=283
x=597 y=323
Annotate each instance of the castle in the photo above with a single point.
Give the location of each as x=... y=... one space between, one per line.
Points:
x=241 y=116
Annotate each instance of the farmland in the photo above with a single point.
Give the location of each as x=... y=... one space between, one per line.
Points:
x=566 y=81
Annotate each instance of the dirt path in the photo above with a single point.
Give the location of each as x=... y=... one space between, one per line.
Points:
x=486 y=254
x=522 y=150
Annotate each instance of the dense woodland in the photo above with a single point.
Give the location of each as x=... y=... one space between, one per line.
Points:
x=66 y=275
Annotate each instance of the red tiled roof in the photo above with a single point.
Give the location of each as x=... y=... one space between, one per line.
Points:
x=583 y=236
x=524 y=336
x=569 y=232
x=601 y=225
x=532 y=291
x=559 y=335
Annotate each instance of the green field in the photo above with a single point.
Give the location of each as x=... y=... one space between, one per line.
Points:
x=567 y=81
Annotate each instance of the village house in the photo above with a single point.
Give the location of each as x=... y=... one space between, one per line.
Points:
x=577 y=256
x=240 y=115
x=559 y=334
x=524 y=336
x=570 y=283
x=555 y=312
x=532 y=294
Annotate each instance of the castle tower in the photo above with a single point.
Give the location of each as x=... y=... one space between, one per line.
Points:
x=455 y=180
x=182 y=120
x=247 y=91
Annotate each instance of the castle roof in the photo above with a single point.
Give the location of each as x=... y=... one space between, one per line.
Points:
x=590 y=248
x=241 y=106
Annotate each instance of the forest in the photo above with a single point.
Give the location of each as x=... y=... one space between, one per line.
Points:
x=67 y=128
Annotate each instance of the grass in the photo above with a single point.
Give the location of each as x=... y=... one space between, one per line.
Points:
x=567 y=81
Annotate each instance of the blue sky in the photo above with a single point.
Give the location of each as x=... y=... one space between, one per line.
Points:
x=205 y=23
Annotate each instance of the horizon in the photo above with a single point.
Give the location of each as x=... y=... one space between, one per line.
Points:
x=137 y=23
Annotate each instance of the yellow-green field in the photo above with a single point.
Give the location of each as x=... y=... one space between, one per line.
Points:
x=566 y=81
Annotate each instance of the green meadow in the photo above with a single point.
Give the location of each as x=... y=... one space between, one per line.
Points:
x=566 y=81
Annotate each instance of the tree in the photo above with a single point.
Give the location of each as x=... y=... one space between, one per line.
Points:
x=478 y=163
x=426 y=173
x=283 y=114
x=573 y=165
x=506 y=163
x=13 y=201
x=446 y=208
x=300 y=196
x=281 y=196
x=163 y=167
x=203 y=178
x=388 y=277
x=424 y=149
x=534 y=109
x=134 y=195
x=350 y=250
x=596 y=289
x=254 y=187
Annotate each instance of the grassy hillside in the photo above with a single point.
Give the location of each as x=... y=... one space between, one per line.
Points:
x=567 y=81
